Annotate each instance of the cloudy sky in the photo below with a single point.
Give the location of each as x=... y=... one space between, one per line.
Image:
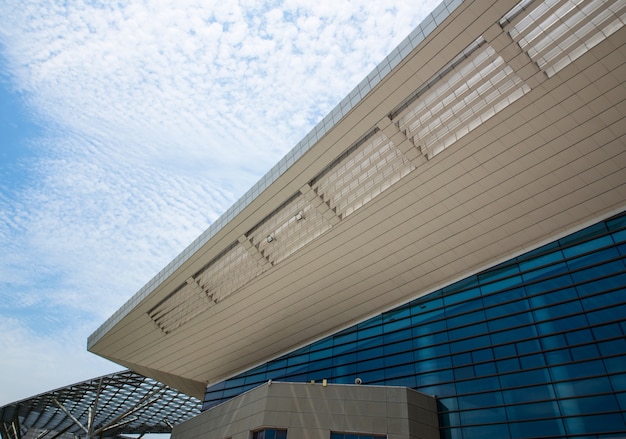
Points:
x=127 y=127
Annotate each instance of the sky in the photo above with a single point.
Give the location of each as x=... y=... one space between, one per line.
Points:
x=128 y=127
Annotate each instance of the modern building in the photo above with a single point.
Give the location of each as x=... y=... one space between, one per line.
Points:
x=455 y=226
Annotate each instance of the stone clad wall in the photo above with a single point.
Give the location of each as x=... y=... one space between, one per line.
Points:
x=314 y=410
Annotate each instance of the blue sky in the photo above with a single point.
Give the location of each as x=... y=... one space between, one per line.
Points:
x=127 y=127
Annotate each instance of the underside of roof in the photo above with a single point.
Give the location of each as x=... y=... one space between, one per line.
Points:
x=110 y=406
x=500 y=128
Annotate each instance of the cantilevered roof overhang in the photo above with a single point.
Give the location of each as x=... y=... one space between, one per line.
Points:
x=495 y=127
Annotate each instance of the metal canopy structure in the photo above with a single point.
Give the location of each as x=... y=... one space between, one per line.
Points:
x=109 y=406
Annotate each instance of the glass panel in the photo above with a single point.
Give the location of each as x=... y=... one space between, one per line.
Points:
x=588 y=405
x=596 y=423
x=537 y=429
x=537 y=410
x=528 y=394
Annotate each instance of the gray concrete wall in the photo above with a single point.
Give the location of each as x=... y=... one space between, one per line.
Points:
x=312 y=411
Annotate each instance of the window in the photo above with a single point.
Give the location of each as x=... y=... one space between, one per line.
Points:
x=334 y=435
x=270 y=433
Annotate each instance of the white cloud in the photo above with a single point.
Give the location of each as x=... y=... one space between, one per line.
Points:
x=156 y=116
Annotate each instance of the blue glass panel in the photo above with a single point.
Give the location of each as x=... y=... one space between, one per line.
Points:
x=465 y=319
x=505 y=296
x=486 y=431
x=616 y=312
x=526 y=378
x=482 y=355
x=593 y=258
x=463 y=284
x=403 y=370
x=555 y=311
x=613 y=282
x=403 y=346
x=485 y=369
x=616 y=223
x=621 y=399
x=392 y=337
x=532 y=361
x=587 y=246
x=528 y=346
x=584 y=235
x=319 y=354
x=375 y=353
x=341 y=360
x=588 y=405
x=514 y=307
x=545 y=259
x=504 y=284
x=537 y=429
x=428 y=379
x=603 y=270
x=549 y=274
x=255 y=379
x=401 y=358
x=446 y=419
x=514 y=334
x=536 y=410
x=509 y=322
x=577 y=370
x=528 y=394
x=611 y=330
x=462 y=373
x=618 y=382
x=559 y=356
x=615 y=364
x=549 y=284
x=508 y=365
x=585 y=387
x=553 y=341
x=556 y=296
x=579 y=337
x=346 y=336
x=564 y=324
x=584 y=352
x=619 y=236
x=505 y=269
x=373 y=364
x=473 y=293
x=491 y=415
x=507 y=350
x=595 y=423
x=432 y=351
x=433 y=364
x=469 y=343
x=480 y=400
x=484 y=384
x=298 y=359
x=462 y=359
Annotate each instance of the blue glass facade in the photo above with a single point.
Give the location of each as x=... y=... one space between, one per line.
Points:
x=534 y=347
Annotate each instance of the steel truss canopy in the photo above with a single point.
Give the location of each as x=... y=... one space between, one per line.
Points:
x=495 y=127
x=110 y=406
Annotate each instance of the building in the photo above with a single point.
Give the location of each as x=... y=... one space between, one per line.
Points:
x=456 y=225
